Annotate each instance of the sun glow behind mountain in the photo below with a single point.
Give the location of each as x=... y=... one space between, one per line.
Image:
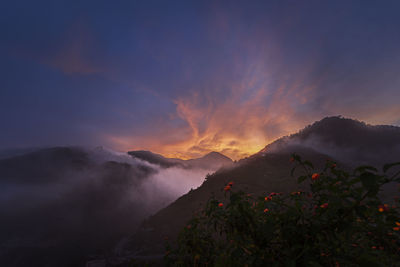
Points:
x=237 y=126
x=183 y=79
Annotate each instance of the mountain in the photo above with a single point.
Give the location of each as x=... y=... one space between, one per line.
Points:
x=12 y=152
x=255 y=175
x=346 y=141
x=157 y=159
x=210 y=161
x=350 y=140
x=59 y=205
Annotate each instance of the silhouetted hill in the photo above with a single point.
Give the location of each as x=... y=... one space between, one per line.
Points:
x=350 y=140
x=42 y=166
x=156 y=158
x=257 y=174
x=334 y=138
x=59 y=205
x=13 y=152
x=210 y=161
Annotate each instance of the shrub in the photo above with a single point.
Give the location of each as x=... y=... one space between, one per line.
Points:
x=339 y=221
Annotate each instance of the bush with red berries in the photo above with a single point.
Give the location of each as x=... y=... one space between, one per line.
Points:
x=339 y=221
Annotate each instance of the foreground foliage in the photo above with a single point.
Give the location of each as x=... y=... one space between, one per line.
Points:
x=339 y=221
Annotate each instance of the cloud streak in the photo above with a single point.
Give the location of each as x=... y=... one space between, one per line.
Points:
x=183 y=79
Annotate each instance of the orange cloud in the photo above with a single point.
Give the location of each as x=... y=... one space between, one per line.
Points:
x=242 y=124
x=255 y=111
x=267 y=100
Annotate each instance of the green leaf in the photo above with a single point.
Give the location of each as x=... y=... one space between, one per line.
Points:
x=290 y=263
x=296 y=157
x=292 y=171
x=370 y=182
x=368 y=260
x=301 y=179
x=386 y=167
x=308 y=163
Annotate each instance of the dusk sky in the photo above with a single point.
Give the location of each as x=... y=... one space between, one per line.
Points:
x=183 y=78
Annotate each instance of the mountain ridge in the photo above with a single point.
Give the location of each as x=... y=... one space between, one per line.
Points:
x=72 y=202
x=212 y=160
x=269 y=171
x=352 y=140
x=110 y=178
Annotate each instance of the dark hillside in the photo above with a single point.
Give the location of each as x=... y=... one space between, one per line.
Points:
x=257 y=175
x=342 y=140
x=59 y=205
x=156 y=158
x=350 y=140
x=210 y=161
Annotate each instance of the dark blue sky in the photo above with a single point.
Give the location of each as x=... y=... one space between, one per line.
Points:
x=186 y=77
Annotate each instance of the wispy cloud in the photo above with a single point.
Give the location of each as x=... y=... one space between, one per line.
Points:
x=185 y=79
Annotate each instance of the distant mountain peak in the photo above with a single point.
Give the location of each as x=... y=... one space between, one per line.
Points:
x=349 y=139
x=340 y=139
x=211 y=161
x=216 y=155
x=155 y=158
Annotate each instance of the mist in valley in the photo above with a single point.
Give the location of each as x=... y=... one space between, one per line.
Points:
x=61 y=205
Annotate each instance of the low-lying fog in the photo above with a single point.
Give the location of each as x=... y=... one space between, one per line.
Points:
x=59 y=205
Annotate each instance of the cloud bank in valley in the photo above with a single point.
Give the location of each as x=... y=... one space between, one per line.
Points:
x=77 y=202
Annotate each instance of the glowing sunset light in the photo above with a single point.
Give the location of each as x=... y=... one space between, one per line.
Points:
x=96 y=97
x=227 y=78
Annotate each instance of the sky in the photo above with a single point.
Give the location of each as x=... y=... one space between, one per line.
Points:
x=183 y=78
